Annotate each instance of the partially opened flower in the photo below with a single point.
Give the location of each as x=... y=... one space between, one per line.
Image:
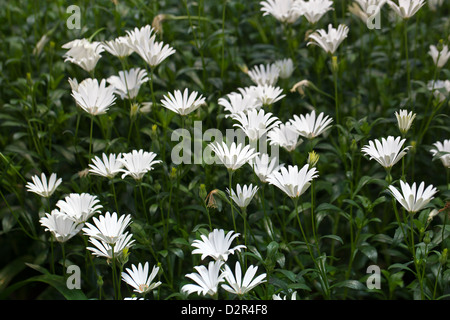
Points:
x=263 y=166
x=83 y=53
x=183 y=103
x=108 y=228
x=207 y=279
x=94 y=98
x=243 y=195
x=80 y=207
x=240 y=286
x=285 y=136
x=106 y=167
x=255 y=123
x=111 y=251
x=364 y=9
x=292 y=181
x=440 y=89
x=282 y=10
x=128 y=82
x=264 y=74
x=137 y=163
x=60 y=225
x=233 y=157
x=216 y=245
x=142 y=41
x=404 y=120
x=386 y=152
x=140 y=279
x=118 y=47
x=406 y=8
x=236 y=102
x=411 y=198
x=313 y=10
x=309 y=126
x=42 y=187
x=441 y=57
x=442 y=151
x=286 y=67
x=266 y=95
x=329 y=41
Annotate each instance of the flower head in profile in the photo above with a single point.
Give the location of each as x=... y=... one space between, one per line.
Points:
x=266 y=95
x=207 y=279
x=93 y=97
x=235 y=102
x=285 y=136
x=111 y=251
x=255 y=123
x=233 y=157
x=264 y=74
x=137 y=163
x=309 y=126
x=183 y=103
x=329 y=41
x=108 y=228
x=406 y=8
x=413 y=199
x=239 y=285
x=386 y=152
x=282 y=10
x=292 y=181
x=108 y=166
x=140 y=279
x=118 y=47
x=128 y=82
x=79 y=206
x=263 y=166
x=364 y=9
x=43 y=187
x=60 y=225
x=142 y=41
x=404 y=120
x=286 y=67
x=83 y=53
x=216 y=245
x=440 y=57
x=313 y=10
x=442 y=151
x=243 y=195
x=440 y=89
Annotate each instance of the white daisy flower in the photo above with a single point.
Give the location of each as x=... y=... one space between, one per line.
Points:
x=411 y=198
x=108 y=228
x=440 y=58
x=60 y=225
x=285 y=136
x=255 y=123
x=80 y=207
x=286 y=67
x=406 y=8
x=140 y=279
x=207 y=279
x=183 y=103
x=387 y=152
x=128 y=83
x=42 y=187
x=442 y=150
x=313 y=10
x=263 y=166
x=308 y=126
x=263 y=75
x=292 y=181
x=238 y=285
x=233 y=157
x=137 y=163
x=243 y=195
x=236 y=102
x=106 y=167
x=404 y=120
x=83 y=53
x=329 y=41
x=110 y=251
x=94 y=98
x=118 y=47
x=282 y=10
x=216 y=245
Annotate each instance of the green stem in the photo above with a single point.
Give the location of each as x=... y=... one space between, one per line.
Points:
x=230 y=178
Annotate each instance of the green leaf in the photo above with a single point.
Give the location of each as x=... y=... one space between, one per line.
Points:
x=334 y=237
x=55 y=281
x=351 y=284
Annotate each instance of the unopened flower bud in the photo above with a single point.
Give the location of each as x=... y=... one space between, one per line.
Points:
x=313 y=158
x=202 y=191
x=443 y=258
